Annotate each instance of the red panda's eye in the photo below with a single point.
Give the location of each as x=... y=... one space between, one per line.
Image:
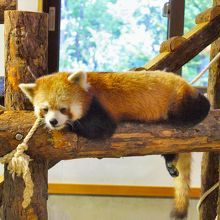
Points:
x=63 y=110
x=45 y=110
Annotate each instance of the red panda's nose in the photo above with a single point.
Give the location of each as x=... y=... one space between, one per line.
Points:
x=53 y=122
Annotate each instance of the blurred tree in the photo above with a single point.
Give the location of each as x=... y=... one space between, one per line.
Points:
x=192 y=68
x=117 y=35
x=110 y=35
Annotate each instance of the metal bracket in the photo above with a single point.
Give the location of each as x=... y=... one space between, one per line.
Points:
x=52 y=18
x=166 y=9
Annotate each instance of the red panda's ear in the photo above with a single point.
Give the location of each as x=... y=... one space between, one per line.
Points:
x=28 y=89
x=79 y=78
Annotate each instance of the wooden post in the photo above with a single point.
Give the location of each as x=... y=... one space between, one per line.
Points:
x=6 y=5
x=26 y=35
x=210 y=161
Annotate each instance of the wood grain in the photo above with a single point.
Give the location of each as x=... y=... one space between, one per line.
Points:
x=171 y=44
x=25 y=47
x=6 y=5
x=210 y=160
x=196 y=40
x=130 y=139
x=26 y=35
x=208 y=15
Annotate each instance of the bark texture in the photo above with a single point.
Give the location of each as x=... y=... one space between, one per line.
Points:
x=26 y=36
x=6 y=5
x=196 y=40
x=210 y=161
x=25 y=50
x=130 y=139
x=13 y=194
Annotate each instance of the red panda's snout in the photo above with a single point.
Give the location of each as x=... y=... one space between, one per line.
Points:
x=55 y=119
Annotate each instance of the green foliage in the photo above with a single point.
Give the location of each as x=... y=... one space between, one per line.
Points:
x=191 y=69
x=117 y=35
x=110 y=35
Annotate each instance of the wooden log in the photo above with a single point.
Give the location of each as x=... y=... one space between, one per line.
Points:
x=210 y=161
x=208 y=15
x=50 y=165
x=12 y=208
x=209 y=177
x=26 y=37
x=6 y=5
x=130 y=139
x=171 y=44
x=199 y=38
x=25 y=48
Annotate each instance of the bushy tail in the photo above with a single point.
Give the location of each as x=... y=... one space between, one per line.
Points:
x=190 y=108
x=182 y=187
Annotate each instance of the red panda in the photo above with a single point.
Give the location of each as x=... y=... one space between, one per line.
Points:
x=92 y=104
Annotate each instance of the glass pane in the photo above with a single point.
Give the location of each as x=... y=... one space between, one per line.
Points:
x=192 y=68
x=114 y=35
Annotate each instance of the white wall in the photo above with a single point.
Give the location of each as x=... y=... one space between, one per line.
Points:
x=149 y=170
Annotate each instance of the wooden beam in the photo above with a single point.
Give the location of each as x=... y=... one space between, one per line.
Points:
x=6 y=5
x=130 y=139
x=196 y=40
x=176 y=18
x=53 y=8
x=171 y=44
x=208 y=15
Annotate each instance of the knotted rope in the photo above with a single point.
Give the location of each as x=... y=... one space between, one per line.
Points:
x=18 y=164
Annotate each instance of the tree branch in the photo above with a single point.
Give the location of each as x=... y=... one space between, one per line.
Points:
x=130 y=139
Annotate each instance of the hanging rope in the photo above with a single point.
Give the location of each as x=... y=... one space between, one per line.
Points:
x=209 y=191
x=204 y=196
x=2 y=108
x=18 y=164
x=217 y=56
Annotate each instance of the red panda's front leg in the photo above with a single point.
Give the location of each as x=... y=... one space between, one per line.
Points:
x=95 y=124
x=170 y=161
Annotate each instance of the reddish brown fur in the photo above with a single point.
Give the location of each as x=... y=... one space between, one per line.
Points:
x=145 y=96
x=131 y=95
x=139 y=96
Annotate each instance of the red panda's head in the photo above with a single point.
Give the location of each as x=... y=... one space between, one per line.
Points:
x=59 y=97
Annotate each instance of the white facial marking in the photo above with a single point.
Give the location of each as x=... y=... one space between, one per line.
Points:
x=85 y=83
x=76 y=110
x=37 y=108
x=55 y=115
x=27 y=89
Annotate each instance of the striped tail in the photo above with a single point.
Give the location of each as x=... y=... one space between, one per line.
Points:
x=182 y=187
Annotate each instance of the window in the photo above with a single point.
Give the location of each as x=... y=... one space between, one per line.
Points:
x=114 y=35
x=192 y=68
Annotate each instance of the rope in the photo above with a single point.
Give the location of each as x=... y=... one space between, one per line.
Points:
x=209 y=191
x=217 y=56
x=18 y=164
x=2 y=107
x=204 y=196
